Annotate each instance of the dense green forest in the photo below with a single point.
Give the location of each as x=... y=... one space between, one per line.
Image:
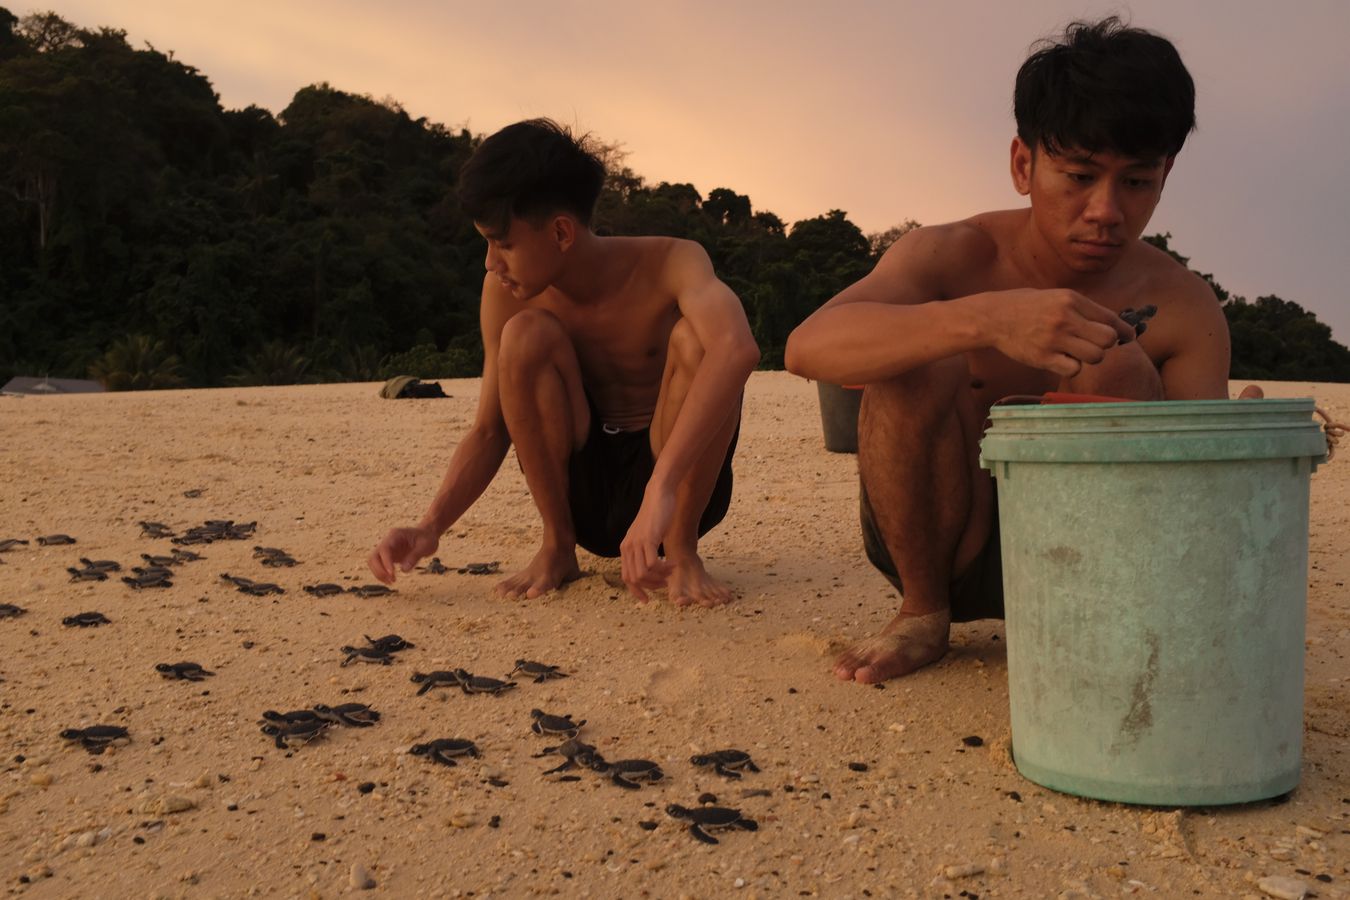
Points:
x=150 y=238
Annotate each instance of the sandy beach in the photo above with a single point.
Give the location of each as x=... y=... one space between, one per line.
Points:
x=863 y=791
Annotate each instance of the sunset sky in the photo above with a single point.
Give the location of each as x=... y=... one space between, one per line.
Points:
x=887 y=110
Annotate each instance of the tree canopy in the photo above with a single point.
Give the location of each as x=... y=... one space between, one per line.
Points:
x=152 y=238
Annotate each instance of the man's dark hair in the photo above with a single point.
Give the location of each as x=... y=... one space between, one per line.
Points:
x=1104 y=86
x=530 y=170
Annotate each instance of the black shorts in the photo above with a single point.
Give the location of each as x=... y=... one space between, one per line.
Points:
x=606 y=481
x=977 y=593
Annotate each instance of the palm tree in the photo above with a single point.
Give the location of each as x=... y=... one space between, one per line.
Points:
x=137 y=362
x=272 y=363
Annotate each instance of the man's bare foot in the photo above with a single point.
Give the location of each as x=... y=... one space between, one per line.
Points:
x=548 y=570
x=689 y=584
x=909 y=642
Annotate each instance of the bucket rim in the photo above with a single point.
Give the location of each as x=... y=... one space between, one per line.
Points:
x=1156 y=408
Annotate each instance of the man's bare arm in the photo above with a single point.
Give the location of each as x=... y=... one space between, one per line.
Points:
x=1198 y=368
x=475 y=461
x=730 y=355
x=903 y=315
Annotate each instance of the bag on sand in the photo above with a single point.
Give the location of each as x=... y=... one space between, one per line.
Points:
x=406 y=387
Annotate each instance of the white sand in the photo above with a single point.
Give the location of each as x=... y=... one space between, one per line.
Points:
x=325 y=470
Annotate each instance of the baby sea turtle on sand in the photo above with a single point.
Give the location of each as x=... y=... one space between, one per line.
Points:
x=277 y=562
x=153 y=571
x=185 y=555
x=444 y=750
x=544 y=724
x=538 y=671
x=236 y=580
x=184 y=671
x=260 y=552
x=353 y=715
x=574 y=752
x=10 y=543
x=726 y=763
x=261 y=589
x=711 y=818
x=297 y=734
x=86 y=574
x=155 y=530
x=389 y=643
x=371 y=590
x=161 y=561
x=102 y=565
x=86 y=620
x=481 y=684
x=366 y=655
x=487 y=568
x=435 y=567
x=148 y=580
x=96 y=738
x=323 y=590
x=10 y=611
x=294 y=717
x=55 y=540
x=626 y=773
x=429 y=680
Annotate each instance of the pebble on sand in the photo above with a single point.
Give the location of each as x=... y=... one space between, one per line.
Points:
x=963 y=870
x=1282 y=887
x=360 y=878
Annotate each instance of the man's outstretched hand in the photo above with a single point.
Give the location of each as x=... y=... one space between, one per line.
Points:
x=400 y=550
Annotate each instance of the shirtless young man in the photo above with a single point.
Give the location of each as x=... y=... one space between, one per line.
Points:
x=1021 y=301
x=615 y=364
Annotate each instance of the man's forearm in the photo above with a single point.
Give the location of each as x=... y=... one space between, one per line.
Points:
x=472 y=467
x=714 y=394
x=860 y=343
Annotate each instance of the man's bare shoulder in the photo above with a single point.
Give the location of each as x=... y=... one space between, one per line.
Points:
x=1171 y=282
x=972 y=241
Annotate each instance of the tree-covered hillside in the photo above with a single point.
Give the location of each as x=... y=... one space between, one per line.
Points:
x=150 y=238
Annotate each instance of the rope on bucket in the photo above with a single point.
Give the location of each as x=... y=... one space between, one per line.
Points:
x=1333 y=430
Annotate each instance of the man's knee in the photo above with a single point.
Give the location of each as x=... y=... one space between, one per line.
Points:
x=528 y=338
x=684 y=349
x=924 y=390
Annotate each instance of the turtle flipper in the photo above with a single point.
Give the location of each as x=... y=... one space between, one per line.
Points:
x=445 y=760
x=623 y=782
x=749 y=764
x=426 y=686
x=747 y=825
x=568 y=764
x=697 y=831
x=728 y=773
x=534 y=726
x=656 y=775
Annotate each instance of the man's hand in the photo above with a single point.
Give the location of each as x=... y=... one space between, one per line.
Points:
x=401 y=549
x=1058 y=330
x=643 y=567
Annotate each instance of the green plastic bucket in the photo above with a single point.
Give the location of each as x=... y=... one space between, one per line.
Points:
x=1155 y=563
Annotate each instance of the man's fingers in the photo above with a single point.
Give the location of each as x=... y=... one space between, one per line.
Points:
x=1120 y=330
x=1063 y=365
x=1085 y=352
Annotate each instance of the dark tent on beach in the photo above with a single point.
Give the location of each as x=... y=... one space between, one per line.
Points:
x=22 y=386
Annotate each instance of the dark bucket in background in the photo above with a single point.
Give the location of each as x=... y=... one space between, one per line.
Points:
x=839 y=416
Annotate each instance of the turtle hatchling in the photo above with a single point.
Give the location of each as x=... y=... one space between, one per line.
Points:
x=538 y=671
x=727 y=763
x=160 y=561
x=297 y=734
x=366 y=655
x=148 y=580
x=487 y=568
x=155 y=530
x=574 y=752
x=86 y=620
x=626 y=773
x=371 y=590
x=277 y=562
x=102 y=565
x=544 y=724
x=10 y=611
x=186 y=555
x=260 y=552
x=323 y=590
x=10 y=543
x=236 y=580
x=96 y=738
x=261 y=589
x=55 y=540
x=480 y=684
x=429 y=680
x=353 y=715
x=435 y=567
x=293 y=717
x=390 y=643
x=184 y=671
x=706 y=819
x=86 y=574
x=444 y=750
